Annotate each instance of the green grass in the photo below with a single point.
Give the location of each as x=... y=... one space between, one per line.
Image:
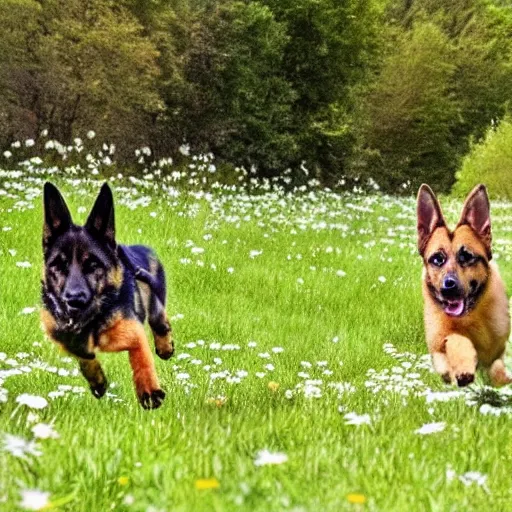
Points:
x=112 y=455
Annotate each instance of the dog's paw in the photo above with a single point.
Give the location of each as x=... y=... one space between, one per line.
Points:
x=99 y=390
x=166 y=353
x=152 y=400
x=465 y=379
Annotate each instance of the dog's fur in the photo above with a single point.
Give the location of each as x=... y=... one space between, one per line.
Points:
x=467 y=319
x=96 y=294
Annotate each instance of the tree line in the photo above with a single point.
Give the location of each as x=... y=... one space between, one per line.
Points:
x=391 y=92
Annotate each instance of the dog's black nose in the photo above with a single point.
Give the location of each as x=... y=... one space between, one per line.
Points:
x=76 y=300
x=450 y=286
x=449 y=283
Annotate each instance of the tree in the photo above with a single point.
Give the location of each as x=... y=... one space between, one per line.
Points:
x=330 y=50
x=410 y=112
x=82 y=66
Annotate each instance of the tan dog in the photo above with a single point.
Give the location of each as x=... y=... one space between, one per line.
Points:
x=467 y=319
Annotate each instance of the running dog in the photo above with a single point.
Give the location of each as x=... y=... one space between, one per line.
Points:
x=467 y=319
x=96 y=295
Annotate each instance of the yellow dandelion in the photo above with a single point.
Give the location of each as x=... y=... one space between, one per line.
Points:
x=358 y=499
x=219 y=401
x=123 y=480
x=273 y=386
x=207 y=483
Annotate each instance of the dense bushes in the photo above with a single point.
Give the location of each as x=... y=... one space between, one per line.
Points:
x=490 y=162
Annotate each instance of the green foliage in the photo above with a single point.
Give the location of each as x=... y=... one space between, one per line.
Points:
x=240 y=106
x=390 y=91
x=411 y=111
x=445 y=75
x=330 y=49
x=489 y=162
x=73 y=66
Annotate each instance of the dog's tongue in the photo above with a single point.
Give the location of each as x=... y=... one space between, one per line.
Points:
x=455 y=307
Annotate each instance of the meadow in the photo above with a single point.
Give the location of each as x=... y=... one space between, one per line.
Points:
x=300 y=382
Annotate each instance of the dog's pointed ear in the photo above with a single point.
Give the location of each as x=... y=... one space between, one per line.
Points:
x=476 y=213
x=57 y=219
x=430 y=216
x=101 y=221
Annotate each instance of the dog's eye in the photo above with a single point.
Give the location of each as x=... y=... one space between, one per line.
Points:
x=438 y=259
x=90 y=265
x=464 y=257
x=59 y=263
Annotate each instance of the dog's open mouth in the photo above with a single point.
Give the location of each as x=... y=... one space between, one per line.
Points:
x=454 y=307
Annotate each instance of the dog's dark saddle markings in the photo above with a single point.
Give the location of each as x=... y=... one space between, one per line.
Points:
x=97 y=294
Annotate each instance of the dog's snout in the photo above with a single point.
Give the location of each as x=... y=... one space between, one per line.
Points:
x=451 y=286
x=76 y=299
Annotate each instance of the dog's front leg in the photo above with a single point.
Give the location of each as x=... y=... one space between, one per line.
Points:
x=441 y=366
x=92 y=371
x=127 y=334
x=144 y=374
x=462 y=359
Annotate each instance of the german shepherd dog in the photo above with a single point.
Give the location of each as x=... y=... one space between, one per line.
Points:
x=96 y=295
x=467 y=319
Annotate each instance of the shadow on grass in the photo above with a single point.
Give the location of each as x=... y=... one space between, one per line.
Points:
x=491 y=396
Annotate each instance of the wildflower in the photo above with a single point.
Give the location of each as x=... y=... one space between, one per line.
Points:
x=359 y=499
x=473 y=477
x=32 y=417
x=219 y=401
x=267 y=458
x=91 y=134
x=20 y=447
x=273 y=386
x=27 y=311
x=44 y=431
x=34 y=499
x=32 y=401
x=128 y=499
x=431 y=428
x=123 y=480
x=207 y=483
x=450 y=474
x=355 y=419
x=382 y=279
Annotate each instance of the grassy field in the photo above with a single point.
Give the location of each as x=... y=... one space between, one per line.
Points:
x=298 y=327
